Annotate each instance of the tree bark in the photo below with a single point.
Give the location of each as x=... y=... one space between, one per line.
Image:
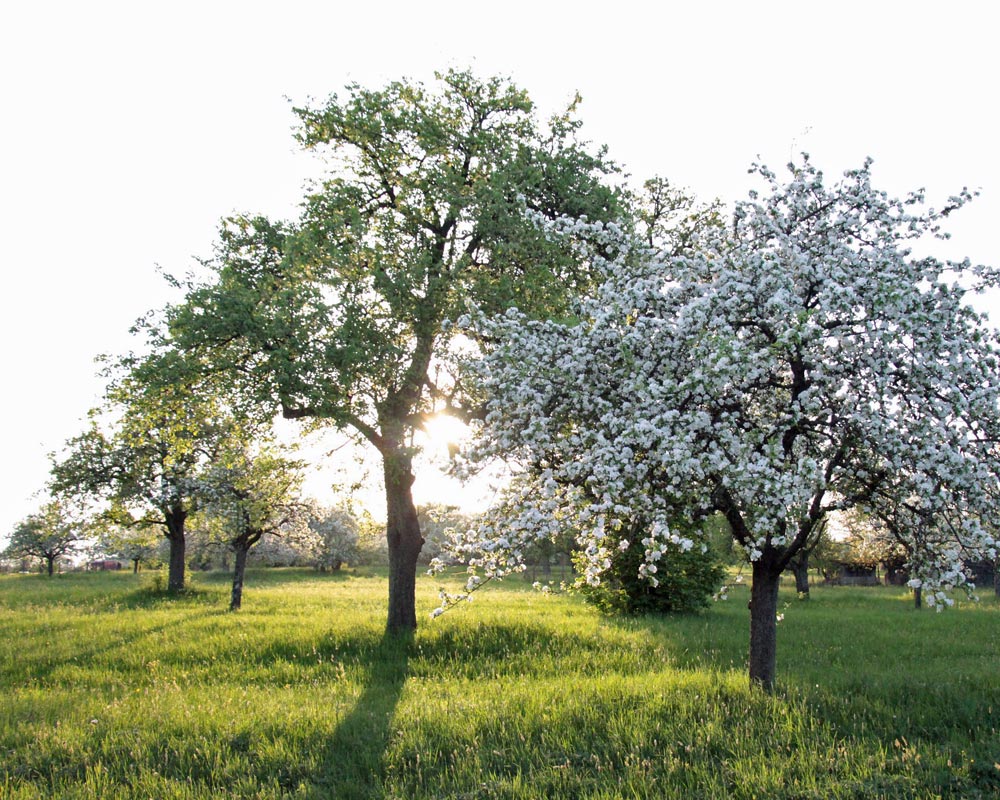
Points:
x=175 y=535
x=239 y=570
x=402 y=530
x=800 y=566
x=135 y=566
x=51 y=561
x=763 y=624
x=918 y=598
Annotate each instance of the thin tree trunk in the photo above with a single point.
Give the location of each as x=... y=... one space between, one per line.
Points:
x=801 y=569
x=404 y=541
x=239 y=570
x=51 y=564
x=763 y=624
x=918 y=599
x=135 y=566
x=175 y=534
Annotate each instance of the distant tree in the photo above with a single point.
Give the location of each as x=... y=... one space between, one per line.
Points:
x=49 y=534
x=437 y=522
x=801 y=361
x=136 y=545
x=800 y=562
x=342 y=316
x=251 y=491
x=283 y=551
x=687 y=576
x=335 y=537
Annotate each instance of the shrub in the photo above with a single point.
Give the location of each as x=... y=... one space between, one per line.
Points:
x=687 y=579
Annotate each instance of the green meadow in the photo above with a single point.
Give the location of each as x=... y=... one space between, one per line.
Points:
x=112 y=690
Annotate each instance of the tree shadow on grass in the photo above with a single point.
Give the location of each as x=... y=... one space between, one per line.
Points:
x=353 y=766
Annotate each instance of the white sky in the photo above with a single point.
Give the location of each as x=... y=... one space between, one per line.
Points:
x=128 y=129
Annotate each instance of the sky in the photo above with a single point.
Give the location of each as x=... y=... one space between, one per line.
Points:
x=129 y=129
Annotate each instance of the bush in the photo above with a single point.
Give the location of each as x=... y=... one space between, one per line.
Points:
x=686 y=582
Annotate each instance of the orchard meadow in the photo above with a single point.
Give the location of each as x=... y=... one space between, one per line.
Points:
x=112 y=689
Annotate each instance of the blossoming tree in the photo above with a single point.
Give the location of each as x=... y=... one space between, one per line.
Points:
x=251 y=491
x=800 y=361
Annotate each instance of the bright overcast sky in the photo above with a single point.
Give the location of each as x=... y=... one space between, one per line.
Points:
x=130 y=128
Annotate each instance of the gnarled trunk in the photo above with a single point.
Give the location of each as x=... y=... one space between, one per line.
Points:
x=402 y=530
x=763 y=623
x=239 y=570
x=175 y=535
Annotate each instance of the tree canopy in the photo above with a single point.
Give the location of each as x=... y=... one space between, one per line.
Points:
x=49 y=534
x=143 y=456
x=803 y=360
x=341 y=316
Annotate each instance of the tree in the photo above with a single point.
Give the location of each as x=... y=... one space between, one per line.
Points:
x=147 y=466
x=252 y=491
x=341 y=317
x=802 y=361
x=335 y=532
x=799 y=563
x=437 y=521
x=49 y=534
x=132 y=544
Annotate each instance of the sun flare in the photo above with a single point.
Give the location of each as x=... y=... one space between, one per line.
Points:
x=444 y=429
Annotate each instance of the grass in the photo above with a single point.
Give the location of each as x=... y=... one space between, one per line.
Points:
x=112 y=690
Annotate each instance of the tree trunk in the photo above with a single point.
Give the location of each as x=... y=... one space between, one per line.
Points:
x=135 y=566
x=175 y=535
x=239 y=570
x=402 y=531
x=51 y=563
x=763 y=624
x=918 y=599
x=801 y=569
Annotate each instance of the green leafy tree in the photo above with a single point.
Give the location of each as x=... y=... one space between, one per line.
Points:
x=342 y=316
x=49 y=534
x=145 y=465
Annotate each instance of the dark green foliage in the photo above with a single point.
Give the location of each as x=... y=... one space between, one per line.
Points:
x=686 y=582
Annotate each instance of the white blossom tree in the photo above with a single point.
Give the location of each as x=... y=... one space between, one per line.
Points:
x=803 y=360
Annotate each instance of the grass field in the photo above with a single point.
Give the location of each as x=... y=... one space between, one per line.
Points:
x=111 y=690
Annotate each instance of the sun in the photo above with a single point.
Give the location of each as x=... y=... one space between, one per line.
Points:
x=443 y=430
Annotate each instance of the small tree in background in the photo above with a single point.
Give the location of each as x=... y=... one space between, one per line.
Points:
x=334 y=538
x=686 y=577
x=50 y=534
x=135 y=545
x=146 y=462
x=251 y=491
x=438 y=522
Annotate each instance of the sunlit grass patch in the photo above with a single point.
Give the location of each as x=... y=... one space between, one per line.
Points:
x=113 y=691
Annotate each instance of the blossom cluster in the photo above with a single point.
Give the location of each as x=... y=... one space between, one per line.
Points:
x=802 y=361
